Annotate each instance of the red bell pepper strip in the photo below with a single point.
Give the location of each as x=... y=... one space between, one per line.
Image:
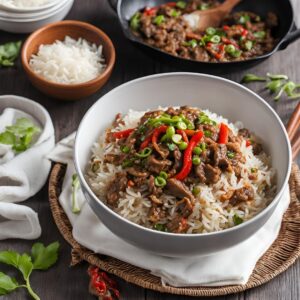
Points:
x=223 y=134
x=187 y=157
x=226 y=27
x=122 y=134
x=146 y=142
x=157 y=131
x=171 y=4
x=248 y=143
x=150 y=11
x=189 y=132
x=183 y=134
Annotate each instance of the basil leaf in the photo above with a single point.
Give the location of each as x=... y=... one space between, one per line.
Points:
x=25 y=265
x=44 y=257
x=10 y=258
x=7 y=284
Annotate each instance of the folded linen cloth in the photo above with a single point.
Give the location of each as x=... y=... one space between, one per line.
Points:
x=23 y=175
x=229 y=267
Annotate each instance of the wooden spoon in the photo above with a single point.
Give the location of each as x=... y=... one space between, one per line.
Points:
x=213 y=17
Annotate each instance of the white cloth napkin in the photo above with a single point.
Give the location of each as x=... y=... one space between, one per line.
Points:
x=232 y=266
x=23 y=175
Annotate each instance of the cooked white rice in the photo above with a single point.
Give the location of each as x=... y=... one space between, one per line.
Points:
x=69 y=62
x=210 y=213
x=25 y=3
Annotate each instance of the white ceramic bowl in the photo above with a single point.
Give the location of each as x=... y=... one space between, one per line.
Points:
x=28 y=10
x=219 y=95
x=30 y=25
x=32 y=15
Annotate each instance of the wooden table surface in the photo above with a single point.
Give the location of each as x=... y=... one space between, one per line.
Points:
x=62 y=281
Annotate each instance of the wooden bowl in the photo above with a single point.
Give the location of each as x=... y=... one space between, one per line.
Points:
x=58 y=31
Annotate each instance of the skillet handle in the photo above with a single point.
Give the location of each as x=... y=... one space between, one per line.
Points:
x=290 y=38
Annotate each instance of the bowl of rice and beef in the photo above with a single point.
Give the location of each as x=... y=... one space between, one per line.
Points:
x=182 y=164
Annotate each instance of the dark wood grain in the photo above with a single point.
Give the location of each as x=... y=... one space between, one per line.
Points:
x=63 y=282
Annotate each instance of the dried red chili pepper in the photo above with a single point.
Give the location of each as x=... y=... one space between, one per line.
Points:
x=122 y=134
x=187 y=157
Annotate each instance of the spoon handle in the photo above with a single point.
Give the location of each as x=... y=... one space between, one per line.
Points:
x=228 y=5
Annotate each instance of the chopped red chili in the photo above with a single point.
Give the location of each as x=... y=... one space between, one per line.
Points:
x=187 y=157
x=150 y=11
x=122 y=134
x=146 y=142
x=223 y=134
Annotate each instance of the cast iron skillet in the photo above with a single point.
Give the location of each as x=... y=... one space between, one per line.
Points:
x=285 y=33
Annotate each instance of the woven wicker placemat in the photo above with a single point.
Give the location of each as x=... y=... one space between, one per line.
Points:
x=281 y=255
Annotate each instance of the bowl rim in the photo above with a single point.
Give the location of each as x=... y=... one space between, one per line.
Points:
x=109 y=64
x=28 y=10
x=260 y=100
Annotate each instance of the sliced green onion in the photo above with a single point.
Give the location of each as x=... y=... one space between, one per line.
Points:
x=176 y=119
x=181 y=4
x=237 y=220
x=259 y=34
x=244 y=19
x=159 y=19
x=197 y=150
x=175 y=13
x=248 y=45
x=253 y=170
x=191 y=43
x=215 y=39
x=196 y=190
x=135 y=21
x=181 y=125
x=274 y=86
x=125 y=149
x=277 y=76
x=144 y=153
x=230 y=154
x=171 y=146
x=204 y=119
x=75 y=188
x=289 y=88
x=210 y=31
x=182 y=146
x=196 y=160
x=277 y=97
x=127 y=163
x=203 y=146
x=207 y=133
x=160 y=227
x=170 y=131
x=163 y=175
x=176 y=138
x=230 y=49
x=190 y=126
x=236 y=53
x=160 y=181
x=252 y=77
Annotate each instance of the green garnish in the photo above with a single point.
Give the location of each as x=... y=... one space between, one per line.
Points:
x=163 y=174
x=182 y=146
x=215 y=39
x=127 y=163
x=204 y=6
x=75 y=188
x=196 y=191
x=196 y=160
x=181 y=4
x=160 y=181
x=274 y=86
x=230 y=49
x=159 y=19
x=244 y=19
x=41 y=258
x=230 y=154
x=9 y=53
x=252 y=77
x=135 y=21
x=197 y=150
x=175 y=13
x=203 y=146
x=160 y=227
x=259 y=34
x=176 y=138
x=207 y=133
x=277 y=76
x=191 y=43
x=204 y=119
x=211 y=30
x=181 y=125
x=144 y=153
x=237 y=220
x=19 y=135
x=248 y=45
x=171 y=146
x=125 y=149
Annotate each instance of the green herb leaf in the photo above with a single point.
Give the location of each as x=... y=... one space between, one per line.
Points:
x=44 y=257
x=175 y=13
x=237 y=220
x=135 y=21
x=9 y=52
x=252 y=77
x=7 y=138
x=7 y=284
x=274 y=86
x=159 y=19
x=10 y=258
x=259 y=34
x=289 y=88
x=181 y=4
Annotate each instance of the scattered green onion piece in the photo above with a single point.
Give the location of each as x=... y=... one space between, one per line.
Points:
x=204 y=119
x=210 y=31
x=215 y=39
x=196 y=191
x=236 y=53
x=190 y=126
x=164 y=138
x=160 y=181
x=182 y=146
x=176 y=119
x=203 y=146
x=230 y=154
x=181 y=4
x=248 y=45
x=144 y=153
x=135 y=21
x=163 y=175
x=244 y=19
x=207 y=133
x=237 y=220
x=196 y=160
x=277 y=76
x=127 y=163
x=252 y=77
x=176 y=138
x=181 y=125
x=170 y=131
x=159 y=19
x=197 y=150
x=125 y=149
x=259 y=34
x=289 y=88
x=160 y=227
x=191 y=43
x=230 y=49
x=175 y=13
x=277 y=97
x=253 y=170
x=171 y=146
x=274 y=86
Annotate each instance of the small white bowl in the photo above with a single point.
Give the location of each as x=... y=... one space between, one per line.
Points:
x=30 y=25
x=28 y=10
x=222 y=96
